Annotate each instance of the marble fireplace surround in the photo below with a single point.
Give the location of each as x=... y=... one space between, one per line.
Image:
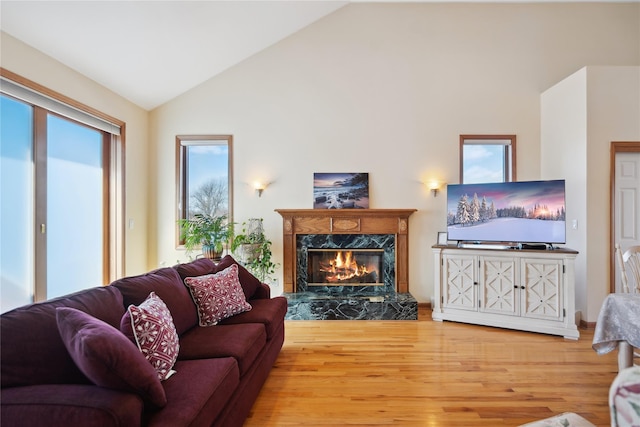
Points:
x=325 y=227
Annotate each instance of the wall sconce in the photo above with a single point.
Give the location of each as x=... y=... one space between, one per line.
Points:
x=434 y=186
x=259 y=187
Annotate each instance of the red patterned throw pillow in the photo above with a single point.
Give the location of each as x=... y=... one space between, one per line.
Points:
x=151 y=327
x=218 y=295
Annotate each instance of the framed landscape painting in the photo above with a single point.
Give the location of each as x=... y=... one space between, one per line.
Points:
x=340 y=190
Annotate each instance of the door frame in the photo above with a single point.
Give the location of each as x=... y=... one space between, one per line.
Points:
x=616 y=147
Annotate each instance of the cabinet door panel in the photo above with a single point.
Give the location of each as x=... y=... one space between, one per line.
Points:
x=460 y=289
x=497 y=284
x=542 y=298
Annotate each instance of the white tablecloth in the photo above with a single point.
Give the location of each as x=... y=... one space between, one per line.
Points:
x=619 y=320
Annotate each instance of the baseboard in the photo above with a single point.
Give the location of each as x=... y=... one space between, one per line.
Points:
x=587 y=325
x=424 y=305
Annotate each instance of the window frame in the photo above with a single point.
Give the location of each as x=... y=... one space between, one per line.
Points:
x=57 y=104
x=508 y=141
x=182 y=168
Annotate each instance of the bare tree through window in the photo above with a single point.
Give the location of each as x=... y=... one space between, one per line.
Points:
x=204 y=176
x=210 y=198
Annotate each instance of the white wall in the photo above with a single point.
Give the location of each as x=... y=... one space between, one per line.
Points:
x=581 y=116
x=613 y=114
x=564 y=156
x=386 y=89
x=33 y=65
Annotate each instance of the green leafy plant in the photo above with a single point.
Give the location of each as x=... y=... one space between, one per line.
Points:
x=254 y=249
x=210 y=232
x=263 y=266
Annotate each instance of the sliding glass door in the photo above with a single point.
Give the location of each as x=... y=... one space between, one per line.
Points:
x=16 y=204
x=74 y=224
x=54 y=205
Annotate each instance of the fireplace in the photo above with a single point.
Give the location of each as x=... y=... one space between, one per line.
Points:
x=375 y=252
x=340 y=267
x=346 y=264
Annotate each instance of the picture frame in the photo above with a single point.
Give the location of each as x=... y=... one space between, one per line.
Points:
x=442 y=238
x=340 y=190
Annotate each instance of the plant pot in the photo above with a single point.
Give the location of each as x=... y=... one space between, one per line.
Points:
x=209 y=251
x=249 y=252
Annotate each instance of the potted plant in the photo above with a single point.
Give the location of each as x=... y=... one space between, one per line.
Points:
x=210 y=232
x=254 y=250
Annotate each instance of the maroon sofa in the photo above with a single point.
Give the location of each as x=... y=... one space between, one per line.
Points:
x=219 y=372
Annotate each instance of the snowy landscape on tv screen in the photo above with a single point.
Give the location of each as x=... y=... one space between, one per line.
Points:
x=518 y=212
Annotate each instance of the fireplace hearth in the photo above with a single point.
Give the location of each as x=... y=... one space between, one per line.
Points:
x=347 y=264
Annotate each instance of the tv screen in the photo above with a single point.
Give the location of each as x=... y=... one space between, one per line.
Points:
x=516 y=212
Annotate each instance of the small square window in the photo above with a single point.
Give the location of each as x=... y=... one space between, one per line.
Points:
x=487 y=158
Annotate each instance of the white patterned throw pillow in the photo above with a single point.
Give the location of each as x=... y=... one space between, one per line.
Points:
x=151 y=327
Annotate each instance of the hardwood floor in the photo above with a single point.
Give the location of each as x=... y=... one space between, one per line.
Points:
x=426 y=373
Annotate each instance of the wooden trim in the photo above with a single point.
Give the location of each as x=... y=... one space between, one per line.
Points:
x=424 y=306
x=514 y=156
x=616 y=147
x=40 y=203
x=59 y=97
x=587 y=325
x=106 y=207
x=181 y=183
x=117 y=205
x=180 y=193
x=365 y=221
x=511 y=163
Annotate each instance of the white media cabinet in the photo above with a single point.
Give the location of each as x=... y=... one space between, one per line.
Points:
x=528 y=290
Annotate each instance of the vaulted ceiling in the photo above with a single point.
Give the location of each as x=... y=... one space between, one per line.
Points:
x=152 y=51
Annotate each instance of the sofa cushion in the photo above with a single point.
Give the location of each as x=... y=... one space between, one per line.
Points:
x=151 y=328
x=269 y=312
x=32 y=351
x=249 y=282
x=242 y=342
x=196 y=268
x=69 y=405
x=167 y=284
x=107 y=357
x=197 y=393
x=217 y=296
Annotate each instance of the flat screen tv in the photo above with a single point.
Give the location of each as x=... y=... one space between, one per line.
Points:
x=514 y=212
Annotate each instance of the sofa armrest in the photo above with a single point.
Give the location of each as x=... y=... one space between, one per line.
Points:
x=69 y=405
x=262 y=292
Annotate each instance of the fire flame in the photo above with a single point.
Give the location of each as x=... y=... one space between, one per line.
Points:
x=343 y=267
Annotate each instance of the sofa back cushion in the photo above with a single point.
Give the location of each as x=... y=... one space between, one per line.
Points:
x=248 y=281
x=32 y=351
x=167 y=285
x=199 y=267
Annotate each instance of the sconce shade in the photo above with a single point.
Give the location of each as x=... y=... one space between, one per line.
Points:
x=259 y=186
x=434 y=186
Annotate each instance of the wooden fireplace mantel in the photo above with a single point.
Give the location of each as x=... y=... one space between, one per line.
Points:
x=345 y=221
